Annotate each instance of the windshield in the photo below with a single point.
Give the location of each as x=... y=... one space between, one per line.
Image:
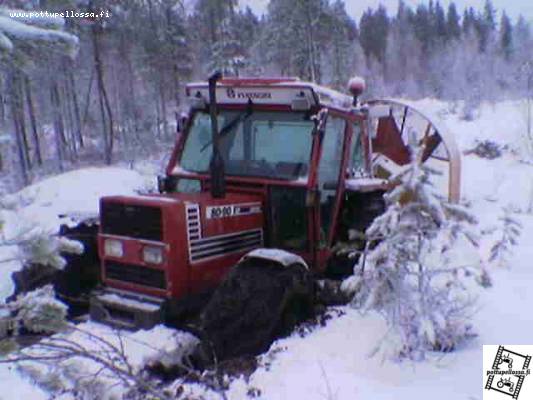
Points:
x=262 y=144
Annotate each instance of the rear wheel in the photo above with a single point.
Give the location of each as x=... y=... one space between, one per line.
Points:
x=258 y=301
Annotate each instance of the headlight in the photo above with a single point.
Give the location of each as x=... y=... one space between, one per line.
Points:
x=113 y=248
x=153 y=255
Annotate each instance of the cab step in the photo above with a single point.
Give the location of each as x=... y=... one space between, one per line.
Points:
x=126 y=310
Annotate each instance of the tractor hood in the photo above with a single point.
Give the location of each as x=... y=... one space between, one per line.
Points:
x=176 y=244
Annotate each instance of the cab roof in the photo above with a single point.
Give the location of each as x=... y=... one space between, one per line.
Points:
x=270 y=91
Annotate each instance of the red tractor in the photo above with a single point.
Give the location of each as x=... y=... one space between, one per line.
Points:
x=267 y=175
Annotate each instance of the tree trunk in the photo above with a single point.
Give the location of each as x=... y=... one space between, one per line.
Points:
x=19 y=109
x=14 y=105
x=76 y=106
x=157 y=116
x=20 y=149
x=59 y=119
x=105 y=107
x=33 y=121
x=87 y=100
x=164 y=109
x=70 y=131
x=58 y=125
x=20 y=146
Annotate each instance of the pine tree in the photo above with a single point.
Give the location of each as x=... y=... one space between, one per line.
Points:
x=422 y=25
x=341 y=50
x=469 y=20
x=418 y=274
x=453 y=26
x=296 y=35
x=506 y=36
x=486 y=25
x=374 y=30
x=440 y=26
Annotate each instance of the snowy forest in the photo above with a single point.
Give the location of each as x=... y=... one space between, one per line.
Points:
x=81 y=90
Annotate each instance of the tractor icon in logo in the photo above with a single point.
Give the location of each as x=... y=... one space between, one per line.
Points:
x=507 y=383
x=505 y=359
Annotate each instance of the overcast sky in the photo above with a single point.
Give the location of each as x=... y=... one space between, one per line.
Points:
x=356 y=7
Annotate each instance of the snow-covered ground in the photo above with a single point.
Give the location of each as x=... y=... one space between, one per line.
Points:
x=333 y=362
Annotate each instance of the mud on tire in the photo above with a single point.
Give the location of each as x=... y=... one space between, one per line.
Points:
x=257 y=302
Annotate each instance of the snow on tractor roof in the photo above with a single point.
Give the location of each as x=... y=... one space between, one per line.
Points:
x=292 y=92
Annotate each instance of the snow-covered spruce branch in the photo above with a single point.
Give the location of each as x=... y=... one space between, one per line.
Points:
x=421 y=266
x=37 y=311
x=84 y=364
x=33 y=29
x=88 y=366
x=35 y=245
x=511 y=230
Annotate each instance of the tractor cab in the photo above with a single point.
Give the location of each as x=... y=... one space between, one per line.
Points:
x=259 y=163
x=287 y=142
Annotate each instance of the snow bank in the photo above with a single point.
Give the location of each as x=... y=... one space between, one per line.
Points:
x=101 y=342
x=39 y=206
x=75 y=192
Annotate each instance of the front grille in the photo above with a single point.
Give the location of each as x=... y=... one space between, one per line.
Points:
x=135 y=274
x=218 y=246
x=136 y=221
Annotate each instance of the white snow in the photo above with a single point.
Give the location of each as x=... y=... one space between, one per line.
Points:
x=331 y=96
x=156 y=198
x=283 y=257
x=178 y=169
x=113 y=298
x=160 y=344
x=364 y=184
x=332 y=362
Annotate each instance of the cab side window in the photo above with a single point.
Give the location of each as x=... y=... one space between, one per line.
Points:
x=356 y=161
x=329 y=170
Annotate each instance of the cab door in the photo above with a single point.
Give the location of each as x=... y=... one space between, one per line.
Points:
x=329 y=177
x=341 y=154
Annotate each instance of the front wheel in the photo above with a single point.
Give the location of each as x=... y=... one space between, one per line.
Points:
x=258 y=301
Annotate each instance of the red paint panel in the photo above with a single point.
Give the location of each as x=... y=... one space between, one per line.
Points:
x=389 y=142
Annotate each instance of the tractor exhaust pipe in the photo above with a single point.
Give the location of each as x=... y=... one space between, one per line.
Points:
x=216 y=165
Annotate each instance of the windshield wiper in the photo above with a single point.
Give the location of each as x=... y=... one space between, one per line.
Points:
x=233 y=123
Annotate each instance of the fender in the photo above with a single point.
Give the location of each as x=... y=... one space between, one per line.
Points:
x=282 y=257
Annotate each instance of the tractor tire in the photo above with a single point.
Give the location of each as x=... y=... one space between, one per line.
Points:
x=258 y=301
